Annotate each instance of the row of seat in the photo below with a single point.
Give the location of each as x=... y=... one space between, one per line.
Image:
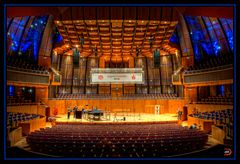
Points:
x=21 y=65
x=224 y=116
x=215 y=62
x=14 y=118
x=217 y=100
x=139 y=140
x=19 y=100
x=108 y=96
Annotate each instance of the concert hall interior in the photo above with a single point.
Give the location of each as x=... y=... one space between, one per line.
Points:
x=119 y=82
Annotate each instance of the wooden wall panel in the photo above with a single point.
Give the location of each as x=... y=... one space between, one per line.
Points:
x=129 y=13
x=77 y=13
x=44 y=61
x=90 y=13
x=190 y=94
x=15 y=136
x=137 y=106
x=30 y=109
x=166 y=13
x=116 y=13
x=155 y=13
x=143 y=13
x=218 y=134
x=41 y=93
x=103 y=13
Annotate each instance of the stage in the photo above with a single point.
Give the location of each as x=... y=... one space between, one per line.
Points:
x=119 y=118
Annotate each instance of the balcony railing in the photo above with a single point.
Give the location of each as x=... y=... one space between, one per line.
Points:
x=27 y=77
x=209 y=75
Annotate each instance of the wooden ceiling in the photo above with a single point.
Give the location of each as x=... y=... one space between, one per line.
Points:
x=117 y=31
x=117 y=37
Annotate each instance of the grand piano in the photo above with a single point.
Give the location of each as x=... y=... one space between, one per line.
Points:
x=94 y=114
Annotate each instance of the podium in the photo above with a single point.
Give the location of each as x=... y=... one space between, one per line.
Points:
x=47 y=112
x=79 y=114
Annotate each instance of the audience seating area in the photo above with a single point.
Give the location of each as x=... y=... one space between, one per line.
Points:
x=108 y=96
x=111 y=140
x=21 y=65
x=215 y=62
x=220 y=117
x=14 y=118
x=217 y=100
x=18 y=101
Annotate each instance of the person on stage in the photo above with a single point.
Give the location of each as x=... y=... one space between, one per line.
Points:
x=69 y=112
x=179 y=112
x=75 y=112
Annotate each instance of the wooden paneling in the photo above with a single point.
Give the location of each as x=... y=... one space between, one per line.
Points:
x=15 y=136
x=77 y=13
x=32 y=125
x=143 y=13
x=116 y=13
x=30 y=109
x=103 y=13
x=218 y=134
x=104 y=90
x=44 y=61
x=27 y=78
x=190 y=94
x=137 y=106
x=41 y=93
x=204 y=124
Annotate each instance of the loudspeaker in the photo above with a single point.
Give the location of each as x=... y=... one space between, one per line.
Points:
x=76 y=55
x=156 y=58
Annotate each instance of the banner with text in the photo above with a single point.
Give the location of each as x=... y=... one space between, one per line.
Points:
x=120 y=76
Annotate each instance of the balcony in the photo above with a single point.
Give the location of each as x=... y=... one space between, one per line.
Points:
x=223 y=75
x=33 y=78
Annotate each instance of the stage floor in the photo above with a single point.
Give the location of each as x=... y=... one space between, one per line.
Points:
x=121 y=118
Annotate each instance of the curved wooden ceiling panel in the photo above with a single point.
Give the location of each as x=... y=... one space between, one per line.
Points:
x=117 y=37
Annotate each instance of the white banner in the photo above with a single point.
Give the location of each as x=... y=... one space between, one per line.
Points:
x=133 y=78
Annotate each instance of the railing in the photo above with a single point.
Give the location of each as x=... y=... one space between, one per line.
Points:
x=208 y=76
x=108 y=96
x=27 y=77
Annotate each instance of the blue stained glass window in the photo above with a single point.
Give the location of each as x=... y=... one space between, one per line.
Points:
x=200 y=43
x=57 y=38
x=26 y=43
x=227 y=24
x=10 y=90
x=220 y=90
x=174 y=38
x=207 y=36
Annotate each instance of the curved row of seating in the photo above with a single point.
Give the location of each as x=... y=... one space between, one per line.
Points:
x=11 y=100
x=224 y=116
x=111 y=140
x=21 y=65
x=213 y=63
x=217 y=100
x=124 y=96
x=14 y=118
